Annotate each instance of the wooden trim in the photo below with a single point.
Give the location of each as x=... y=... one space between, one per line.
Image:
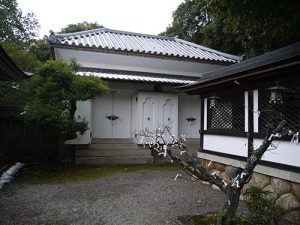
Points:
x=233 y=133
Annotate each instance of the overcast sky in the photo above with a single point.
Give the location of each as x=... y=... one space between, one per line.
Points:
x=142 y=16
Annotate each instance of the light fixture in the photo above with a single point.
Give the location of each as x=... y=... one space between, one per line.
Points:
x=212 y=101
x=276 y=94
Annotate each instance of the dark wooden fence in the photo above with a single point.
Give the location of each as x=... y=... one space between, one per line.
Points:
x=17 y=141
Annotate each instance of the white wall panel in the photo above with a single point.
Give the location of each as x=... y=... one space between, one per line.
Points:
x=286 y=153
x=135 y=63
x=226 y=144
x=83 y=112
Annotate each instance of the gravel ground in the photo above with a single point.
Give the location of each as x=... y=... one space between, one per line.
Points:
x=135 y=198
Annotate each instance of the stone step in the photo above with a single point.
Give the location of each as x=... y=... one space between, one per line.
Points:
x=115 y=146
x=112 y=140
x=114 y=160
x=114 y=153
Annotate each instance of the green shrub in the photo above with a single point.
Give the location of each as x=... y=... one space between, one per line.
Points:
x=260 y=211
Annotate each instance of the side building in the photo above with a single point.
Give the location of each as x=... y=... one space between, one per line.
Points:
x=238 y=105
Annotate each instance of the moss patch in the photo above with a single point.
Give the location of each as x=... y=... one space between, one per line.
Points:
x=207 y=219
x=73 y=173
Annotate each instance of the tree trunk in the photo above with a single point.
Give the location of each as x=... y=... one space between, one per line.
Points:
x=230 y=207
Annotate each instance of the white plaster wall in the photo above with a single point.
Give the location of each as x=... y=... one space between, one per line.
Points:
x=255 y=111
x=246 y=111
x=135 y=63
x=83 y=111
x=226 y=144
x=286 y=153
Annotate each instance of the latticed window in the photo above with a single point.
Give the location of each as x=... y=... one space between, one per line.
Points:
x=272 y=114
x=226 y=113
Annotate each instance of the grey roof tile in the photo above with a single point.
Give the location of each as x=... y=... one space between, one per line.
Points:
x=136 y=76
x=109 y=39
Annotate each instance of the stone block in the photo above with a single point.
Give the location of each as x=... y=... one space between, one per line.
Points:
x=207 y=164
x=260 y=180
x=293 y=216
x=224 y=176
x=230 y=171
x=288 y=202
x=280 y=186
x=296 y=190
x=272 y=196
x=219 y=166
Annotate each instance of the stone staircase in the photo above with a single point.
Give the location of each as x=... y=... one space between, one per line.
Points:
x=112 y=151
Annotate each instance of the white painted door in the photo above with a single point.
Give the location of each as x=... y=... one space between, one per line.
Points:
x=112 y=116
x=168 y=111
x=189 y=116
x=157 y=109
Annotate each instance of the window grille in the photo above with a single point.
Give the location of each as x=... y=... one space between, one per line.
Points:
x=272 y=114
x=226 y=113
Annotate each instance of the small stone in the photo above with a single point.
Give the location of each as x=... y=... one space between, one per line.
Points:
x=260 y=180
x=215 y=187
x=296 y=190
x=280 y=186
x=272 y=196
x=205 y=182
x=293 y=216
x=194 y=178
x=288 y=202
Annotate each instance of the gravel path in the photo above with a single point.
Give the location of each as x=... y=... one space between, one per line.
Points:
x=134 y=198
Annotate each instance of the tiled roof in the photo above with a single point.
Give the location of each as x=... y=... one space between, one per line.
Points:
x=9 y=70
x=135 y=76
x=122 y=41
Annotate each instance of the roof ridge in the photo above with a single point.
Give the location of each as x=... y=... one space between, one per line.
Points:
x=112 y=31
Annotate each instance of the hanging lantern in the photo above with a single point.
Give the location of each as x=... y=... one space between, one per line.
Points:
x=212 y=101
x=276 y=94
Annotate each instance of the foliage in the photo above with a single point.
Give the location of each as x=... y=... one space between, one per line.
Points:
x=14 y=93
x=40 y=49
x=237 y=27
x=259 y=210
x=22 y=56
x=55 y=89
x=15 y=27
x=71 y=28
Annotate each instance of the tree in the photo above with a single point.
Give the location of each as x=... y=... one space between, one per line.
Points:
x=51 y=109
x=159 y=141
x=260 y=26
x=71 y=28
x=237 y=27
x=40 y=49
x=15 y=27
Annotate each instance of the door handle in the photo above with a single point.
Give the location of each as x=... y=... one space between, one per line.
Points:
x=112 y=117
x=191 y=119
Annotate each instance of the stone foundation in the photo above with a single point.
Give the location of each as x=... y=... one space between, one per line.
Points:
x=285 y=193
